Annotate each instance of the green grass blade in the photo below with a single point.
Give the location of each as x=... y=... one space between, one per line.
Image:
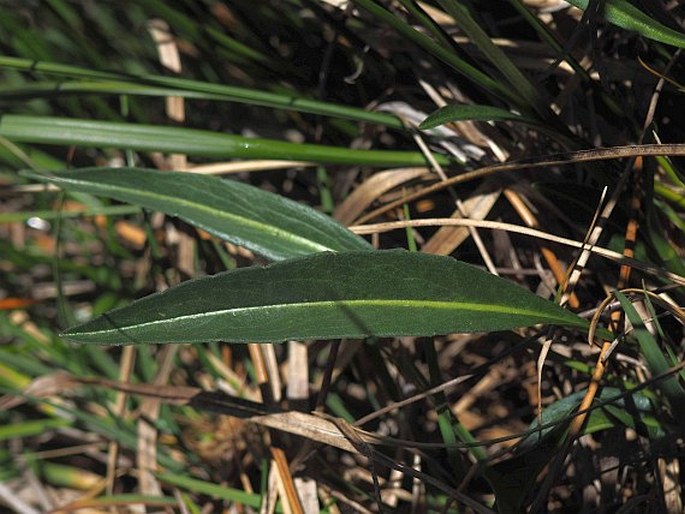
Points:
x=47 y=89
x=266 y=223
x=32 y=428
x=445 y=54
x=414 y=9
x=114 y=210
x=21 y=157
x=215 y=490
x=326 y=296
x=530 y=99
x=627 y=16
x=546 y=35
x=672 y=171
x=154 y=138
x=656 y=360
x=148 y=84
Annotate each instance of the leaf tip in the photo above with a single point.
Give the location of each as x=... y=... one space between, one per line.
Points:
x=427 y=124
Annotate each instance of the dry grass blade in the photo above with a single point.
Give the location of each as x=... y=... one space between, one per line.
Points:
x=45 y=386
x=169 y=57
x=318 y=429
x=363 y=447
x=603 y=252
x=574 y=431
x=286 y=485
x=590 y=240
x=598 y=154
x=125 y=368
x=147 y=432
x=477 y=206
x=526 y=214
x=268 y=378
x=372 y=189
x=10 y=498
x=227 y=168
x=315 y=428
x=297 y=390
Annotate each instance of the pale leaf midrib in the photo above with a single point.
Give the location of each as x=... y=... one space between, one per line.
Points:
x=270 y=229
x=411 y=304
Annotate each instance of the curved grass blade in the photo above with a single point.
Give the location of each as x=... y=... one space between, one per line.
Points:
x=149 y=84
x=655 y=358
x=627 y=16
x=455 y=112
x=532 y=97
x=154 y=138
x=445 y=54
x=326 y=296
x=266 y=223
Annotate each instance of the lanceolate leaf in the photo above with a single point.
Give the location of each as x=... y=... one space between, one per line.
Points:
x=324 y=296
x=268 y=224
x=451 y=113
x=559 y=412
x=625 y=15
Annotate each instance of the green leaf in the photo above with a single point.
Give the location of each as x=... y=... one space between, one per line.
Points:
x=268 y=224
x=627 y=16
x=153 y=138
x=515 y=477
x=559 y=411
x=325 y=296
x=454 y=112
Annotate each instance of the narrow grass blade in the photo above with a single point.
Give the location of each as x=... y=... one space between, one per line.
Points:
x=531 y=97
x=148 y=84
x=214 y=490
x=154 y=138
x=326 y=296
x=268 y=224
x=114 y=210
x=18 y=157
x=32 y=428
x=656 y=360
x=625 y=15
x=447 y=55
